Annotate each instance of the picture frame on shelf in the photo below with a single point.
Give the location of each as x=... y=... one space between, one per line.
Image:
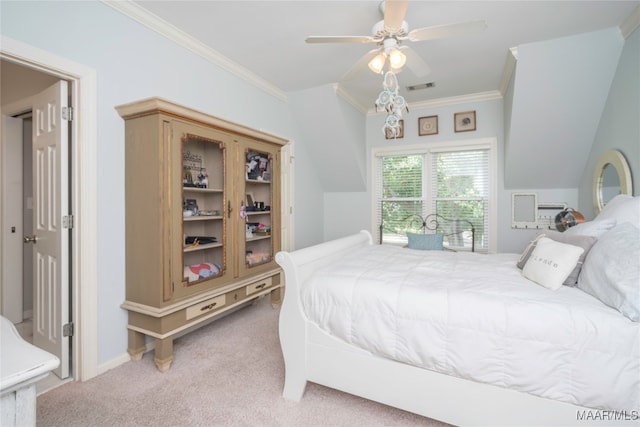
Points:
x=428 y=125
x=266 y=176
x=464 y=121
x=389 y=135
x=250 y=200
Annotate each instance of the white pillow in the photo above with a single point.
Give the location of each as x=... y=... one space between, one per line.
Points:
x=611 y=271
x=595 y=228
x=622 y=208
x=551 y=263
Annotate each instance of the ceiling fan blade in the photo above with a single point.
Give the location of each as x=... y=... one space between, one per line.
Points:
x=394 y=12
x=362 y=63
x=415 y=63
x=447 y=30
x=340 y=39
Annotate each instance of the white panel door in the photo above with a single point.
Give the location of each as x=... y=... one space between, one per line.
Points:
x=51 y=204
x=11 y=169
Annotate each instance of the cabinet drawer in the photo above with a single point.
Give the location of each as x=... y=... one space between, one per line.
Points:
x=205 y=307
x=258 y=286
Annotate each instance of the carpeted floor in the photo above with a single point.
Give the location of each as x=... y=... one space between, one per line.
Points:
x=228 y=373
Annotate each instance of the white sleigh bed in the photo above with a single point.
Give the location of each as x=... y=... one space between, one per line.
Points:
x=595 y=374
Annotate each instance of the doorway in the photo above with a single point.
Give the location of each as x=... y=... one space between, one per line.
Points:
x=82 y=157
x=35 y=183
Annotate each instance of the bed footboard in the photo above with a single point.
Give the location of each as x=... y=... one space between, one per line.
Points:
x=297 y=267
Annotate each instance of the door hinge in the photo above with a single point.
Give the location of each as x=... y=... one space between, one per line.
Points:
x=67 y=113
x=67 y=221
x=67 y=330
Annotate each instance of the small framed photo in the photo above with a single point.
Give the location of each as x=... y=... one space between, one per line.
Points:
x=389 y=135
x=465 y=122
x=266 y=176
x=428 y=125
x=250 y=200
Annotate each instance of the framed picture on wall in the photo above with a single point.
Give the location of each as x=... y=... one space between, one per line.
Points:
x=465 y=122
x=388 y=134
x=428 y=125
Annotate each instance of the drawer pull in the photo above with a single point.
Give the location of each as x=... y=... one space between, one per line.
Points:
x=261 y=286
x=208 y=307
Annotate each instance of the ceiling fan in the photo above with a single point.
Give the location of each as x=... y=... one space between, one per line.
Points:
x=389 y=33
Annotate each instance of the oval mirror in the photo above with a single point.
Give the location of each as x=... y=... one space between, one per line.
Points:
x=612 y=176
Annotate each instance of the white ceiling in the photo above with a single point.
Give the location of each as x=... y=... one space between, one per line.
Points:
x=268 y=38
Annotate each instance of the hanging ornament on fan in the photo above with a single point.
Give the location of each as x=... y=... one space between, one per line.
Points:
x=393 y=103
x=568 y=218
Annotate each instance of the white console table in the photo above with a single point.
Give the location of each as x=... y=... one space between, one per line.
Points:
x=22 y=365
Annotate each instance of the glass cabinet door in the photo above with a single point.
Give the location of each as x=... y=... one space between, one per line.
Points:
x=259 y=208
x=203 y=242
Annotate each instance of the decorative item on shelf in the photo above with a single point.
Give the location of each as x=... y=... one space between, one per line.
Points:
x=192 y=162
x=256 y=165
x=190 y=205
x=256 y=258
x=199 y=240
x=250 y=202
x=568 y=218
x=203 y=179
x=465 y=122
x=196 y=272
x=428 y=125
x=389 y=100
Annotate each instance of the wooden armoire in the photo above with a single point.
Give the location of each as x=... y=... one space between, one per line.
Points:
x=202 y=220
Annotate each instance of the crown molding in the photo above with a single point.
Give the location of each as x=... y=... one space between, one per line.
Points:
x=631 y=23
x=162 y=27
x=453 y=100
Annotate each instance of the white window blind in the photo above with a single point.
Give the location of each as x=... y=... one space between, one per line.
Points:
x=400 y=194
x=451 y=183
x=459 y=185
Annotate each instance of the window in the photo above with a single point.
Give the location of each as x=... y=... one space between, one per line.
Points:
x=453 y=182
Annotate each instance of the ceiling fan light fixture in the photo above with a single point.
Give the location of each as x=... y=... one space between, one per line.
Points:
x=397 y=59
x=377 y=63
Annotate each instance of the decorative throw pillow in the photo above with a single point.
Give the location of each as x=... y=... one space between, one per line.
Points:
x=527 y=252
x=585 y=242
x=595 y=228
x=551 y=263
x=426 y=242
x=611 y=271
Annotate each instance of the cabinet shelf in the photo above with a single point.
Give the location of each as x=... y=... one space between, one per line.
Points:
x=202 y=190
x=256 y=181
x=201 y=218
x=251 y=213
x=254 y=238
x=202 y=247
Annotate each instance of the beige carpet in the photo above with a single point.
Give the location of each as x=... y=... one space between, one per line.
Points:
x=229 y=372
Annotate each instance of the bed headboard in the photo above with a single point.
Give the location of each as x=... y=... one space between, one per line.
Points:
x=453 y=229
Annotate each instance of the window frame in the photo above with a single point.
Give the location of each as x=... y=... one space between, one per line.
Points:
x=445 y=146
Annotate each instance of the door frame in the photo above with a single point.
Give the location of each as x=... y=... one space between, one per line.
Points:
x=83 y=146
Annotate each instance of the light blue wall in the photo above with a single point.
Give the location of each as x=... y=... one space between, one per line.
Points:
x=619 y=127
x=131 y=63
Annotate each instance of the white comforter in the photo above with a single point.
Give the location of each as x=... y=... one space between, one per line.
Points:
x=474 y=316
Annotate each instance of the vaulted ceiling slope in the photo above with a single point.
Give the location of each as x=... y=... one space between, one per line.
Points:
x=558 y=92
x=334 y=136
